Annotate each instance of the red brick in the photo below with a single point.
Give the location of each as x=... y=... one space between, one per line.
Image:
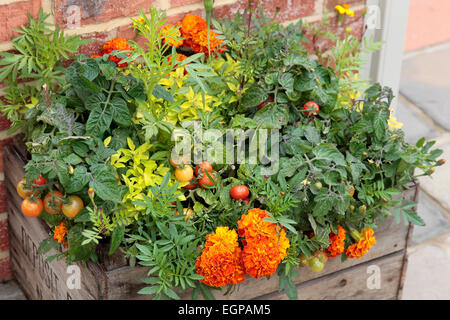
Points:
x=178 y=3
x=98 y=11
x=2 y=145
x=288 y=9
x=2 y=197
x=330 y=4
x=4 y=123
x=4 y=241
x=13 y=15
x=356 y=23
x=5 y=269
x=96 y=45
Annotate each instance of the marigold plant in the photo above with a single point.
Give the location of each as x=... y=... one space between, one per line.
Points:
x=337 y=243
x=220 y=262
x=365 y=241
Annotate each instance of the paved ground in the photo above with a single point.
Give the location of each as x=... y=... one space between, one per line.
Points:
x=424 y=108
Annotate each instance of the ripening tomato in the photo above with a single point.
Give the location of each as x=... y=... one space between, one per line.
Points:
x=246 y=201
x=192 y=185
x=22 y=190
x=263 y=104
x=32 y=207
x=184 y=174
x=310 y=108
x=40 y=181
x=72 y=207
x=202 y=166
x=239 y=192
x=205 y=181
x=179 y=161
x=53 y=202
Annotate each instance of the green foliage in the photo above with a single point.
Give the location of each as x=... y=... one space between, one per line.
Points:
x=39 y=52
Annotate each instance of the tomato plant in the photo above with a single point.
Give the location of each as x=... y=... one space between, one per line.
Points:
x=310 y=108
x=22 y=189
x=202 y=166
x=40 y=181
x=32 y=207
x=184 y=174
x=206 y=181
x=72 y=206
x=53 y=202
x=239 y=192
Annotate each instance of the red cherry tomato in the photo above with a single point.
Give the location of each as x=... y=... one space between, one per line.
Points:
x=239 y=192
x=205 y=181
x=204 y=165
x=310 y=108
x=263 y=104
x=40 y=181
x=52 y=202
x=32 y=207
x=246 y=201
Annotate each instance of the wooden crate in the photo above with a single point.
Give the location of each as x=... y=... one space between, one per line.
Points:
x=113 y=279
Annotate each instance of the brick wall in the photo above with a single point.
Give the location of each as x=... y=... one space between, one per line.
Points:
x=102 y=20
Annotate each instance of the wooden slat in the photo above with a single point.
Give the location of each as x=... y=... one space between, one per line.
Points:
x=351 y=283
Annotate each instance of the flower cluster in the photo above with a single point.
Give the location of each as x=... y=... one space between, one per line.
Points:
x=119 y=44
x=195 y=34
x=265 y=244
x=221 y=260
x=345 y=9
x=60 y=234
x=365 y=241
x=171 y=35
x=337 y=243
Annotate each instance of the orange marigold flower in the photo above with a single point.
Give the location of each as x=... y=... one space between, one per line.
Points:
x=171 y=35
x=265 y=243
x=221 y=260
x=117 y=44
x=201 y=42
x=365 y=242
x=60 y=234
x=191 y=25
x=337 y=243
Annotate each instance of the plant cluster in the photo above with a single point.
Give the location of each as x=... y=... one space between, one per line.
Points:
x=103 y=166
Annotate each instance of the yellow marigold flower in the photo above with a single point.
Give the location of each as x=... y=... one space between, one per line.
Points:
x=345 y=9
x=221 y=260
x=337 y=243
x=366 y=240
x=393 y=123
x=60 y=234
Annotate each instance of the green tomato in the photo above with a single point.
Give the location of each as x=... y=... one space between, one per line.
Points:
x=316 y=265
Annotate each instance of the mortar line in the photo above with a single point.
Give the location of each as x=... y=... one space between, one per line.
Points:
x=411 y=105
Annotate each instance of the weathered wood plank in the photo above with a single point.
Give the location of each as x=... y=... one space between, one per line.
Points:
x=352 y=283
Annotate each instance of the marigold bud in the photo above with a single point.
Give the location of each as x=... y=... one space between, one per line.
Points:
x=441 y=162
x=430 y=171
x=362 y=209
